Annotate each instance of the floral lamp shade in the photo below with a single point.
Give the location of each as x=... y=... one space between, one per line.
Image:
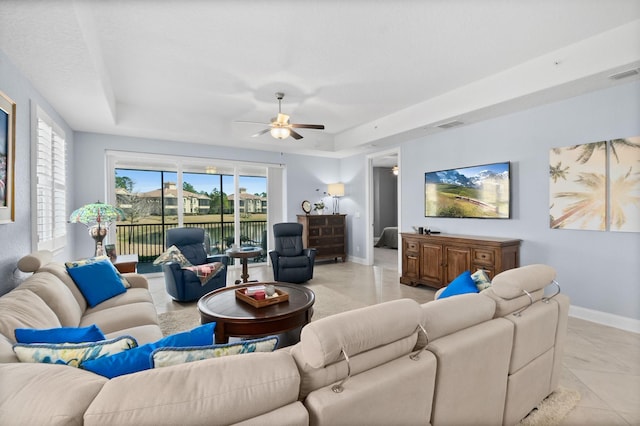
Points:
x=97 y=217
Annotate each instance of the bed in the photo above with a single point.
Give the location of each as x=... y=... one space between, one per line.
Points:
x=388 y=238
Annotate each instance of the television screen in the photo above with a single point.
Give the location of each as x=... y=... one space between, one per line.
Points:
x=475 y=192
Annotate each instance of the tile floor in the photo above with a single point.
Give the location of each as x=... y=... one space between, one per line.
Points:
x=602 y=362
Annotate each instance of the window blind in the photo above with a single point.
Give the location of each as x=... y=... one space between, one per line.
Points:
x=50 y=203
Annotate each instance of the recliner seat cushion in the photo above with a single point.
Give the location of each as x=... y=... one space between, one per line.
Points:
x=294 y=262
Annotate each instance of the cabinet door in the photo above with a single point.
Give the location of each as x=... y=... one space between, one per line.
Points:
x=410 y=260
x=431 y=265
x=457 y=260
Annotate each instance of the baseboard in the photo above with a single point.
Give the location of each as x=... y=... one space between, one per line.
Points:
x=358 y=260
x=604 y=318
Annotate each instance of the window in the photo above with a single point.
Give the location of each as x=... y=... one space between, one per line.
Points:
x=49 y=205
x=158 y=192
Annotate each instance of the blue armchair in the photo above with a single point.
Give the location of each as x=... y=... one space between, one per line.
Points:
x=184 y=285
x=291 y=262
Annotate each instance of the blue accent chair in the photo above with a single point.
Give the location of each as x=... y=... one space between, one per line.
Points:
x=184 y=285
x=292 y=263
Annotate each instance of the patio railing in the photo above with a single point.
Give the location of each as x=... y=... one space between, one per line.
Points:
x=147 y=240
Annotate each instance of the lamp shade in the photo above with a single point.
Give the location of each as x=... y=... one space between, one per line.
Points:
x=96 y=213
x=336 y=189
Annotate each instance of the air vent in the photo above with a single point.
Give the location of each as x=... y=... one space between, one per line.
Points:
x=624 y=74
x=450 y=124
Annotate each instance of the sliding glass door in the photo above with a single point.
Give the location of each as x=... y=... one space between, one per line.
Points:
x=229 y=202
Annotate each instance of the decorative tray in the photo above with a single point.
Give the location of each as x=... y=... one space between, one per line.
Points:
x=282 y=296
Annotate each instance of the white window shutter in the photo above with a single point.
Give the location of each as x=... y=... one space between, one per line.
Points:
x=50 y=171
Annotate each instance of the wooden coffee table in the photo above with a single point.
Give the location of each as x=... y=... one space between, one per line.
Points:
x=239 y=319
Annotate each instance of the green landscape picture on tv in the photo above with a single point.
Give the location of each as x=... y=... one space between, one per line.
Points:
x=482 y=192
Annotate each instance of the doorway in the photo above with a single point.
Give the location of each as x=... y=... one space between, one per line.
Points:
x=384 y=209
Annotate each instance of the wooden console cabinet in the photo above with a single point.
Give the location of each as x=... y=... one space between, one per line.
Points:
x=326 y=233
x=436 y=260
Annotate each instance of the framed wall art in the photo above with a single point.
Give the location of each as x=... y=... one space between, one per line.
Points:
x=596 y=186
x=7 y=158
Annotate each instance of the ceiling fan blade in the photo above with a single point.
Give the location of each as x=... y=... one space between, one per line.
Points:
x=295 y=134
x=261 y=132
x=308 y=126
x=252 y=122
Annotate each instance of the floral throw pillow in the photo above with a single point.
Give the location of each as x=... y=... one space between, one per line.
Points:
x=164 y=357
x=172 y=254
x=481 y=279
x=72 y=354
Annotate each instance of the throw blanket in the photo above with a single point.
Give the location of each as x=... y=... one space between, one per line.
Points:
x=205 y=272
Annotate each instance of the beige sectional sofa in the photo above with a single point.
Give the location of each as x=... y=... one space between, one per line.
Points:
x=461 y=360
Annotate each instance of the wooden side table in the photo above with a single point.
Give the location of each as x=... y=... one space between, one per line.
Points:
x=244 y=254
x=125 y=263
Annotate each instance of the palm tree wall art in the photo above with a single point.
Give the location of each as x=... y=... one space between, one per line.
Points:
x=596 y=186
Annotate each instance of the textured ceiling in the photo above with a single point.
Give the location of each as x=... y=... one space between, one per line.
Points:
x=374 y=72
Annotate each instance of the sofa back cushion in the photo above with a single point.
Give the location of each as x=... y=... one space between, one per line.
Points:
x=6 y=350
x=45 y=394
x=513 y=283
x=446 y=316
x=357 y=331
x=21 y=308
x=56 y=295
x=370 y=336
x=229 y=390
x=60 y=271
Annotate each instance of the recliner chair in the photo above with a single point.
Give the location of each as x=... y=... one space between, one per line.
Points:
x=291 y=262
x=184 y=285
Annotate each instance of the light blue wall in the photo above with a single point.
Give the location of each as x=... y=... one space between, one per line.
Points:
x=16 y=237
x=598 y=270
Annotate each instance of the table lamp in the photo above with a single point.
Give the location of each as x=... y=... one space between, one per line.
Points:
x=98 y=217
x=336 y=190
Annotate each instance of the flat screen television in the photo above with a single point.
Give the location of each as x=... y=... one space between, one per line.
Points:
x=473 y=192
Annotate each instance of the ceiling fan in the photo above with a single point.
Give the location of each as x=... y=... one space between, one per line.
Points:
x=280 y=126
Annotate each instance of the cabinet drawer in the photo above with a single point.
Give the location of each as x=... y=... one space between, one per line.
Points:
x=330 y=251
x=317 y=221
x=325 y=241
x=412 y=246
x=335 y=220
x=483 y=256
x=338 y=230
x=314 y=232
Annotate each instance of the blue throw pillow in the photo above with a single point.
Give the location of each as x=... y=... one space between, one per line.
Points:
x=461 y=285
x=138 y=359
x=97 y=281
x=59 y=335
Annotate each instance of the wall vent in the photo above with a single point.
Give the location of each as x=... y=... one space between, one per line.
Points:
x=624 y=74
x=450 y=124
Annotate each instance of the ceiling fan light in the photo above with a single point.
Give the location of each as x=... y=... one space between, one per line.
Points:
x=280 y=132
x=282 y=118
x=395 y=170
